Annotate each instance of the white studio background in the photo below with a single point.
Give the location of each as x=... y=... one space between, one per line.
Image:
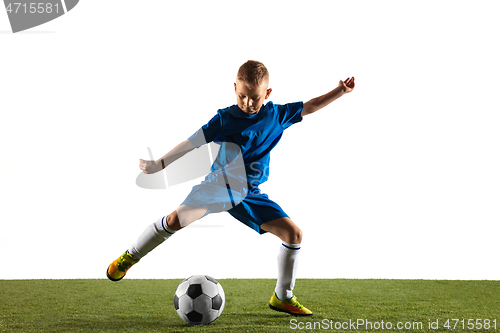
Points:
x=398 y=179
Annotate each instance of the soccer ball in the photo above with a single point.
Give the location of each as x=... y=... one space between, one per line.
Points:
x=199 y=300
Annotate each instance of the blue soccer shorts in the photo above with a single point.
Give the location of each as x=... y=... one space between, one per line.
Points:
x=251 y=207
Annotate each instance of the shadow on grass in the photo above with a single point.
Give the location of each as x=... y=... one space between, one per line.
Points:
x=153 y=323
x=116 y=324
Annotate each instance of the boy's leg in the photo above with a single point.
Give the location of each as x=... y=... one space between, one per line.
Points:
x=154 y=235
x=291 y=236
x=285 y=229
x=161 y=230
x=185 y=215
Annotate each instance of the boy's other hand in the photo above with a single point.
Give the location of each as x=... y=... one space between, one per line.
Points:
x=148 y=166
x=348 y=84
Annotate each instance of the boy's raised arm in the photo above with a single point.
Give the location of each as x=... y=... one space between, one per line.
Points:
x=320 y=102
x=177 y=152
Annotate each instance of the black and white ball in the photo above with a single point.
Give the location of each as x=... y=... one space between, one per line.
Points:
x=199 y=300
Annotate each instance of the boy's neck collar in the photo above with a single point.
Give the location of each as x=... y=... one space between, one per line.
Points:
x=236 y=111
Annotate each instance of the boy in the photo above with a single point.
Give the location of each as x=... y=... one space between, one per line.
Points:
x=248 y=130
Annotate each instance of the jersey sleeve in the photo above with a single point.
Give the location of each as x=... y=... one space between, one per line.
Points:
x=207 y=133
x=290 y=113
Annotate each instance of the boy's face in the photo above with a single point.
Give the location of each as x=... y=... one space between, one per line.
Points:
x=250 y=98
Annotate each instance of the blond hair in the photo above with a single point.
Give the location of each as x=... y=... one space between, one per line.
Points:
x=253 y=72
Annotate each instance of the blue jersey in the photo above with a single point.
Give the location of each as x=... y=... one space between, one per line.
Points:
x=252 y=136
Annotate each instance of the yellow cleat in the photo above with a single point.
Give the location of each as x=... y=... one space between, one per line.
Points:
x=291 y=306
x=118 y=268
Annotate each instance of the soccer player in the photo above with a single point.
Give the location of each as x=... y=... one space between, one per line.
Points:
x=249 y=130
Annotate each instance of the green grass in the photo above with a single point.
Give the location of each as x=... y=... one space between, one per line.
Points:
x=147 y=305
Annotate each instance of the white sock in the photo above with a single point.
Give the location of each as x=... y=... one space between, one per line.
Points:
x=154 y=235
x=287 y=267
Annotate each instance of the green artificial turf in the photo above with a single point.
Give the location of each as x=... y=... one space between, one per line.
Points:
x=147 y=306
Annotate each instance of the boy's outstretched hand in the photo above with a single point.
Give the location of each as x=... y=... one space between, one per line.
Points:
x=149 y=167
x=320 y=102
x=348 y=84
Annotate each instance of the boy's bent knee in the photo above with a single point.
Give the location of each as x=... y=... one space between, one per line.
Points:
x=184 y=216
x=173 y=221
x=295 y=236
x=285 y=229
